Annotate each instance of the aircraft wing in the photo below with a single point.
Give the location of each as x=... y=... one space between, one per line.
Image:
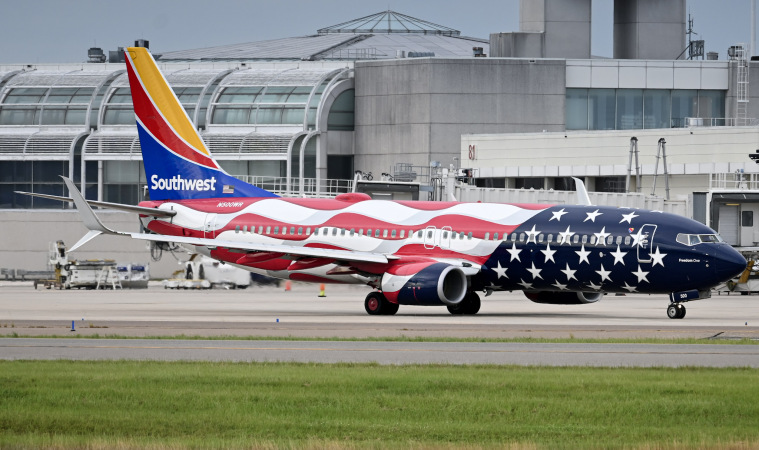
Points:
x=244 y=247
x=96 y=228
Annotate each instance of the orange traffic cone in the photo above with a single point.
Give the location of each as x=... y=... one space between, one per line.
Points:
x=321 y=290
x=288 y=285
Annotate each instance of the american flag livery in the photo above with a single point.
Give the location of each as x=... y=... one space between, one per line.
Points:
x=411 y=253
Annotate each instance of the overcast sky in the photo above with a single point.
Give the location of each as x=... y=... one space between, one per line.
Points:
x=53 y=31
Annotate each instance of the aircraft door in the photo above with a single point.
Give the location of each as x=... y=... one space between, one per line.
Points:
x=645 y=245
x=445 y=237
x=210 y=225
x=430 y=237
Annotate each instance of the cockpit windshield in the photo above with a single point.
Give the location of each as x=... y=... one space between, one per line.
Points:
x=693 y=239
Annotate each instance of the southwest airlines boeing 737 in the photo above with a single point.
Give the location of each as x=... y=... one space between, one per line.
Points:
x=408 y=252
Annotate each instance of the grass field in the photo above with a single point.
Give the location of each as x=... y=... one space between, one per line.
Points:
x=173 y=405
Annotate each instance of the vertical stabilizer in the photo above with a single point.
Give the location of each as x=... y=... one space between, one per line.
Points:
x=177 y=162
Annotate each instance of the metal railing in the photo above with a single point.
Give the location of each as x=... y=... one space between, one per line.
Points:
x=278 y=185
x=734 y=181
x=687 y=122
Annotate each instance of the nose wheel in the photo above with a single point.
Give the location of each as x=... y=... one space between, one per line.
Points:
x=676 y=311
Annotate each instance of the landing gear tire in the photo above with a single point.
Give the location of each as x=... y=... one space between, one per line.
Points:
x=469 y=305
x=390 y=309
x=676 y=311
x=473 y=303
x=376 y=304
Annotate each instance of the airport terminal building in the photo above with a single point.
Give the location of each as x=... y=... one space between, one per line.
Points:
x=390 y=93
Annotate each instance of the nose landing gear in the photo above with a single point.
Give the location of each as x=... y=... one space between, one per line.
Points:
x=675 y=311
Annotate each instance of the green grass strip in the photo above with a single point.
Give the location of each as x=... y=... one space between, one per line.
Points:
x=272 y=405
x=715 y=340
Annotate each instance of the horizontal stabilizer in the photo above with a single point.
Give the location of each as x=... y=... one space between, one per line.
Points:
x=117 y=206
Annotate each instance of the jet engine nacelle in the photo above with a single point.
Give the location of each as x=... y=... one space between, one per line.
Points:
x=564 y=298
x=424 y=283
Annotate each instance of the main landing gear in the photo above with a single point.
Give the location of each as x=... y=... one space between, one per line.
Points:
x=377 y=305
x=675 y=311
x=469 y=305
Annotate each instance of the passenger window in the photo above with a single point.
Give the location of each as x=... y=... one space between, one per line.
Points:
x=540 y=237
x=308 y=230
x=260 y=229
x=609 y=240
x=619 y=240
x=384 y=233
x=521 y=237
x=292 y=230
x=276 y=230
x=376 y=233
x=513 y=237
x=550 y=238
x=392 y=234
x=237 y=229
x=268 y=229
x=469 y=236
x=342 y=232
x=353 y=231
x=334 y=232
x=584 y=239
x=495 y=236
x=300 y=231
x=429 y=234
x=403 y=233
x=627 y=240
x=360 y=231
x=284 y=230
x=592 y=240
x=577 y=238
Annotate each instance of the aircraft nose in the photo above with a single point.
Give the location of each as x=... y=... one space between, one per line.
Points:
x=728 y=263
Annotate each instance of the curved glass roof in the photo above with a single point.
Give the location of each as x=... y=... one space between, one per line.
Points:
x=387 y=22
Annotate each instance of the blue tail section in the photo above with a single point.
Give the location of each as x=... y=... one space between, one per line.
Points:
x=171 y=177
x=177 y=162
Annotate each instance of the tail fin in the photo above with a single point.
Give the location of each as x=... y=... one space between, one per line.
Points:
x=177 y=163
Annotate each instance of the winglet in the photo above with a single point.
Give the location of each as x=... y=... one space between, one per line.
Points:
x=88 y=216
x=582 y=193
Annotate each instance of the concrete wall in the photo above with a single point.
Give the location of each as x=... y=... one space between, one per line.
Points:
x=649 y=29
x=692 y=154
x=517 y=45
x=415 y=110
x=566 y=24
x=26 y=236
